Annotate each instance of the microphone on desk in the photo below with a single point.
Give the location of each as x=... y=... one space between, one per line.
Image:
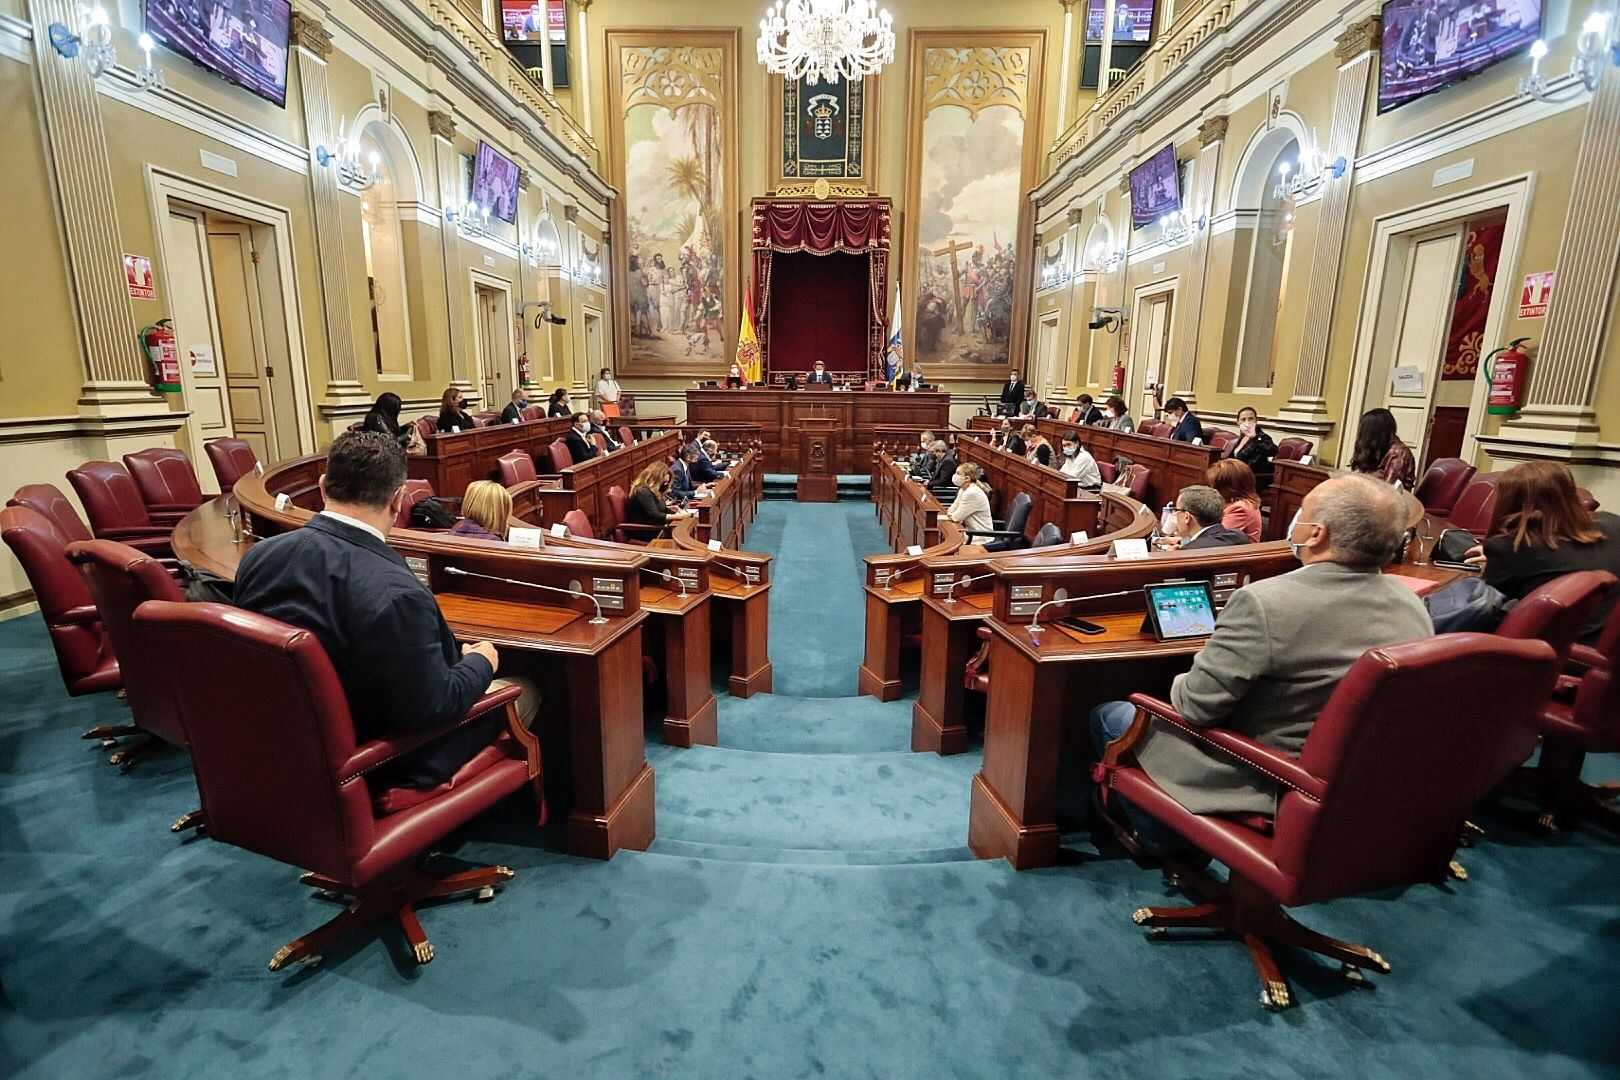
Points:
x=897 y=574
x=667 y=576
x=1035 y=616
x=949 y=598
x=736 y=572
x=599 y=620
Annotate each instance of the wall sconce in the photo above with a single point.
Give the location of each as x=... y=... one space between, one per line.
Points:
x=1600 y=35
x=588 y=271
x=92 y=42
x=470 y=219
x=1179 y=226
x=148 y=76
x=1312 y=171
x=1053 y=274
x=546 y=247
x=346 y=159
x=1104 y=259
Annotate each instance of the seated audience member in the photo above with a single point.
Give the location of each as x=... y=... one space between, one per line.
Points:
x=514 y=408
x=1031 y=407
x=705 y=468
x=453 y=414
x=1540 y=531
x=1119 y=417
x=393 y=653
x=599 y=426
x=649 y=498
x=486 y=508
x=1089 y=413
x=1003 y=433
x=1078 y=463
x=1198 y=515
x=580 y=444
x=922 y=459
x=558 y=404
x=683 y=484
x=1036 y=448
x=711 y=450
x=971 y=507
x=1184 y=425
x=1235 y=482
x=820 y=378
x=944 y=465
x=1254 y=447
x=1280 y=647
x=1380 y=452
x=1014 y=443
x=383 y=417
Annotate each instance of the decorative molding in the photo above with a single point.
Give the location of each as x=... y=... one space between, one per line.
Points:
x=1213 y=130
x=1358 y=38
x=203 y=119
x=153 y=417
x=975 y=77
x=823 y=189
x=307 y=33
x=571 y=213
x=523 y=178
x=442 y=125
x=15 y=34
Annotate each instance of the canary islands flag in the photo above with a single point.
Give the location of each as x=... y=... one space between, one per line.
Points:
x=894 y=357
x=748 y=342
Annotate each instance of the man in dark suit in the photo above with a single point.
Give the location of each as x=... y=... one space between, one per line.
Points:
x=394 y=655
x=705 y=469
x=580 y=443
x=1199 y=511
x=820 y=378
x=1012 y=395
x=1089 y=413
x=682 y=484
x=944 y=466
x=1184 y=425
x=514 y=408
x=599 y=427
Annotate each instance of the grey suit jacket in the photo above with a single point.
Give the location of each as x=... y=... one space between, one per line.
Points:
x=1279 y=649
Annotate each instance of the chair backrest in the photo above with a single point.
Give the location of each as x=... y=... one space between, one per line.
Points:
x=1558 y=611
x=627 y=404
x=110 y=497
x=49 y=501
x=119 y=580
x=1048 y=536
x=515 y=467
x=426 y=425
x=1107 y=470
x=270 y=764
x=1292 y=448
x=600 y=440
x=561 y=456
x=1597 y=699
x=532 y=412
x=1443 y=483
x=82 y=648
x=1074 y=417
x=1018 y=513
x=1412 y=737
x=1136 y=480
x=1476 y=505
x=415 y=492
x=232 y=459
x=615 y=497
x=486 y=417
x=1220 y=438
x=626 y=436
x=579 y=524
x=164 y=477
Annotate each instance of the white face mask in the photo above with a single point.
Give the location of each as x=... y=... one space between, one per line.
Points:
x=1293 y=524
x=961 y=481
x=582 y=428
x=1246 y=426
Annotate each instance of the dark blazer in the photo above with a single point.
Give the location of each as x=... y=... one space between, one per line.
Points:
x=943 y=470
x=824 y=378
x=1257 y=454
x=613 y=443
x=379 y=421
x=1188 y=430
x=1216 y=536
x=1519 y=573
x=512 y=412
x=1012 y=398
x=705 y=471
x=681 y=484
x=393 y=652
x=582 y=448
x=646 y=507
x=1091 y=415
x=450 y=418
x=557 y=408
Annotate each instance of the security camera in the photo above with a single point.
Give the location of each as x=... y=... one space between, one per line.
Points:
x=555 y=320
x=1109 y=319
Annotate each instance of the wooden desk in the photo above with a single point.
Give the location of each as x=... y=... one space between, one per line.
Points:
x=857 y=413
x=1290 y=483
x=455 y=460
x=740 y=582
x=1054 y=497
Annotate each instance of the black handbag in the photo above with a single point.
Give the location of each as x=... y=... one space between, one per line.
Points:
x=431 y=514
x=1452 y=548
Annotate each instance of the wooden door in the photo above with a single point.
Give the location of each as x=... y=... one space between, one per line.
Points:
x=1151 y=345
x=191 y=306
x=494 y=334
x=243 y=360
x=1427 y=298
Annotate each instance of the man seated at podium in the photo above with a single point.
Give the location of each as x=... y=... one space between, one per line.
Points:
x=819 y=377
x=735 y=379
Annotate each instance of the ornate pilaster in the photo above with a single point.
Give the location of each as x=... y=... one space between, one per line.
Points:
x=442 y=125
x=447 y=173
x=311 y=46
x=1211 y=137
x=583 y=88
x=1066 y=89
x=1355 y=50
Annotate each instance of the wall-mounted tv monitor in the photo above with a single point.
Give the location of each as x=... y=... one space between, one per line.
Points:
x=528 y=20
x=1133 y=20
x=241 y=41
x=1430 y=44
x=1155 y=188
x=495 y=183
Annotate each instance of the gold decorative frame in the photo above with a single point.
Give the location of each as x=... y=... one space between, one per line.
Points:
x=797 y=187
x=616 y=42
x=928 y=92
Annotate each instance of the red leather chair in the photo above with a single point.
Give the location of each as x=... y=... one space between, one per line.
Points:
x=1293 y=449
x=1221 y=439
x=1558 y=611
x=1107 y=470
x=84 y=654
x=600 y=440
x=115 y=509
x=627 y=404
x=49 y=502
x=426 y=425
x=624 y=530
x=281 y=774
x=1148 y=426
x=515 y=467
x=119 y=579
x=232 y=459
x=561 y=457
x=1412 y=737
x=1136 y=478
x=165 y=479
x=415 y=492
x=532 y=412
x=486 y=417
x=578 y=524
x=626 y=436
x=1476 y=506
x=1442 y=484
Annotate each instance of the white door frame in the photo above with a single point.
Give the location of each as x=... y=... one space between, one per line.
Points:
x=1514 y=195
x=164 y=187
x=1049 y=322
x=1140 y=296
x=479 y=278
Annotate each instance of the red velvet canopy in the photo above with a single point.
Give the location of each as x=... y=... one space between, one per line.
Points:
x=836 y=304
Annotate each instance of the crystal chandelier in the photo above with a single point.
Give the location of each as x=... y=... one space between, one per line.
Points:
x=825 y=39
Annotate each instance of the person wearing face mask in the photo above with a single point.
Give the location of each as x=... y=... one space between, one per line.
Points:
x=1198 y=516
x=599 y=427
x=580 y=443
x=971 y=507
x=1280 y=648
x=1078 y=464
x=683 y=485
x=1036 y=448
x=514 y=408
x=607 y=392
x=1184 y=425
x=558 y=404
x=453 y=415
x=1254 y=447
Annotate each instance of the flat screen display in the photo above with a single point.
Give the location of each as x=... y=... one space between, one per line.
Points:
x=1180 y=610
x=495 y=183
x=524 y=20
x=241 y=41
x=1155 y=188
x=1133 y=20
x=1430 y=44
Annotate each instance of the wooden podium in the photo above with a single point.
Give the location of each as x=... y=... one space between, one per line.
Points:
x=818 y=469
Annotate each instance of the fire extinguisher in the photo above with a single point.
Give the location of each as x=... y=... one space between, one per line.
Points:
x=163 y=353
x=1509 y=372
x=1119 y=378
x=525 y=371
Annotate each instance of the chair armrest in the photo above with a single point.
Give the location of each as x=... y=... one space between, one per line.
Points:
x=1282 y=768
x=1586 y=656
x=83 y=615
x=379 y=752
x=131 y=534
x=1004 y=533
x=983 y=632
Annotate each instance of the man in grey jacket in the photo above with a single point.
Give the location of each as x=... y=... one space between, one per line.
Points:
x=1280 y=647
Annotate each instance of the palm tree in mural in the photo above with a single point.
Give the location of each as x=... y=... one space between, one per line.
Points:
x=686 y=174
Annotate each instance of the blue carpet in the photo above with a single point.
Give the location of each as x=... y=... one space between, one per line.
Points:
x=808 y=910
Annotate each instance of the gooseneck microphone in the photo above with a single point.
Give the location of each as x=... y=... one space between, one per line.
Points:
x=1035 y=617
x=950 y=598
x=896 y=575
x=459 y=572
x=667 y=576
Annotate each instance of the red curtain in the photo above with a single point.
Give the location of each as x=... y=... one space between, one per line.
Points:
x=841 y=227
x=1481 y=252
x=821 y=312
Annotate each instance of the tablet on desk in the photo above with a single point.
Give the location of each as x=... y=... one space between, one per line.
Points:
x=1180 y=610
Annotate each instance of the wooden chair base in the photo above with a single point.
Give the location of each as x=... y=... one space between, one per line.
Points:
x=107 y=734
x=127 y=755
x=1555 y=783
x=394 y=898
x=1242 y=909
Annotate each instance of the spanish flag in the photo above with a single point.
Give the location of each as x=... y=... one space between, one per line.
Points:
x=748 y=342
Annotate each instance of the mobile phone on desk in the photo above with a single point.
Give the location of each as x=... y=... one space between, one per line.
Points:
x=1081 y=626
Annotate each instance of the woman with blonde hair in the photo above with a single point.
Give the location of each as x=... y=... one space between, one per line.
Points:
x=486 y=507
x=971 y=507
x=649 y=498
x=1235 y=481
x=1036 y=448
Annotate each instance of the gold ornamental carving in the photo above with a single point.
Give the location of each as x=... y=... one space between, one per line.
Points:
x=308 y=34
x=1212 y=130
x=672 y=77
x=822 y=189
x=975 y=78
x=1358 y=37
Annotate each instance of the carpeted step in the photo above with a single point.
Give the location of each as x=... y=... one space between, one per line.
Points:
x=782 y=724
x=809 y=856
